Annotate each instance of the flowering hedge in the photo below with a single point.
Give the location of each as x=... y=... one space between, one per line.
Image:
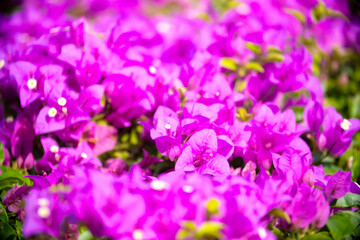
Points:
x=163 y=119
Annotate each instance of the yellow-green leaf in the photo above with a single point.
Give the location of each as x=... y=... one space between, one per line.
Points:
x=255 y=48
x=297 y=14
x=280 y=213
x=209 y=230
x=254 y=66
x=228 y=63
x=274 y=57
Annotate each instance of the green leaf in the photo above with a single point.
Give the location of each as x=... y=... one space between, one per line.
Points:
x=85 y=235
x=204 y=17
x=280 y=213
x=272 y=49
x=274 y=57
x=330 y=168
x=228 y=63
x=3 y=215
x=297 y=14
x=212 y=207
x=254 y=66
x=243 y=115
x=18 y=229
x=11 y=176
x=354 y=106
x=255 y=48
x=299 y=113
x=182 y=234
x=318 y=236
x=340 y=226
x=349 y=200
x=209 y=230
x=321 y=11
x=355 y=169
x=189 y=225
x=224 y=5
x=355 y=219
x=7 y=232
x=188 y=229
x=134 y=138
x=1 y=154
x=278 y=233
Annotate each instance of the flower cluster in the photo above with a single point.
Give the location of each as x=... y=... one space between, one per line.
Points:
x=173 y=119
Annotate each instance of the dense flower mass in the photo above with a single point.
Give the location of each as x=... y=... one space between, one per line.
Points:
x=163 y=119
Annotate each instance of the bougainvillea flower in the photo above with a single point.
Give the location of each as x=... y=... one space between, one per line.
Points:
x=313 y=115
x=166 y=132
x=123 y=90
x=201 y=153
x=338 y=184
x=100 y=137
x=338 y=131
x=34 y=82
x=290 y=165
x=13 y=199
x=46 y=213
x=61 y=112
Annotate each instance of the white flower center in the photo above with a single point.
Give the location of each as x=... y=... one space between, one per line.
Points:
x=52 y=112
x=137 y=234
x=217 y=94
x=163 y=27
x=64 y=110
x=43 y=212
x=152 y=69
x=262 y=233
x=61 y=101
x=31 y=83
x=10 y=119
x=43 y=202
x=167 y=126
x=83 y=155
x=2 y=63
x=345 y=124
x=158 y=185
x=187 y=188
x=268 y=145
x=54 y=149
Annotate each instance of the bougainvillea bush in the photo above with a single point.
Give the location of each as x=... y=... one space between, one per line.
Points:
x=164 y=119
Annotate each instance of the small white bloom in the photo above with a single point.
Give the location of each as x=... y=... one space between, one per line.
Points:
x=262 y=233
x=152 y=69
x=158 y=185
x=43 y=212
x=187 y=188
x=163 y=27
x=61 y=101
x=31 y=83
x=43 y=202
x=64 y=110
x=52 y=112
x=137 y=234
x=10 y=119
x=2 y=63
x=345 y=124
x=54 y=149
